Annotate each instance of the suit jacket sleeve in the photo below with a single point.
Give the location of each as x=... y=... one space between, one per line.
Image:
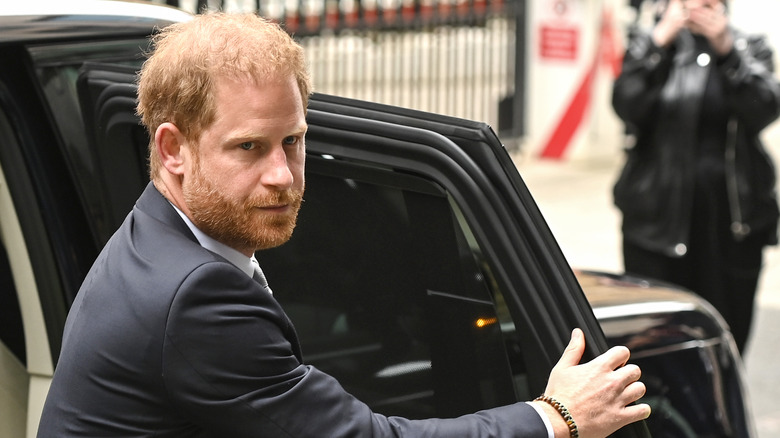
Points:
x=229 y=368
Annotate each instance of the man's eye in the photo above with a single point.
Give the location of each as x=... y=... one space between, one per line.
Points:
x=290 y=140
x=247 y=145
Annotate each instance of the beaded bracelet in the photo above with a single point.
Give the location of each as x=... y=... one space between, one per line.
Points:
x=573 y=431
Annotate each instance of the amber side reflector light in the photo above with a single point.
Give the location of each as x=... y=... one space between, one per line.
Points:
x=484 y=322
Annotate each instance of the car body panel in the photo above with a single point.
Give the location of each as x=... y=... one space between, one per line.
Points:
x=689 y=360
x=78 y=20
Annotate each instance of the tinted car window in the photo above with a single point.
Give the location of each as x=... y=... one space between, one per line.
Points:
x=390 y=295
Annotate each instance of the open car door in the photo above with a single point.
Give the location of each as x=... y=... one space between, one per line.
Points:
x=421 y=273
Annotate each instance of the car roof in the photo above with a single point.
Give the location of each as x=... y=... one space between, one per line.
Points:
x=46 y=20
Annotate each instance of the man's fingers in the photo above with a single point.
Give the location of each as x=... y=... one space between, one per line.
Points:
x=628 y=415
x=629 y=373
x=627 y=379
x=614 y=358
x=639 y=411
x=634 y=392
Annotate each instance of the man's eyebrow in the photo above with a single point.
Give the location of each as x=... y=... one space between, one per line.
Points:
x=242 y=136
x=303 y=127
x=251 y=134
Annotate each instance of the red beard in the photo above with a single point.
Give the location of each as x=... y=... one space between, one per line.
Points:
x=240 y=224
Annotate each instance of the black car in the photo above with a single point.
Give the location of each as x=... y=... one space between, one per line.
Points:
x=421 y=274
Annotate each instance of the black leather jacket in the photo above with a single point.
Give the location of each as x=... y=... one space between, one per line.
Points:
x=655 y=189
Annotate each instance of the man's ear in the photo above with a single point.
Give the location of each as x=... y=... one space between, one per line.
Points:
x=170 y=144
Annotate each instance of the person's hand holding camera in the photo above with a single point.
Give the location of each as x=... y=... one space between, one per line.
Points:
x=702 y=17
x=708 y=18
x=673 y=20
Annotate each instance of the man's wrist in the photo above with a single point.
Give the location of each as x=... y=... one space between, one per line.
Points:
x=544 y=416
x=559 y=425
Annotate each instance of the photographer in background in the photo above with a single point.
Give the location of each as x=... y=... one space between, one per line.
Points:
x=697 y=191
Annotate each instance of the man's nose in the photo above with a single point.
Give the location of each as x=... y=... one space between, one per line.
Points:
x=277 y=171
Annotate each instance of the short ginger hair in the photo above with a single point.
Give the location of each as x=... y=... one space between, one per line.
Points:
x=176 y=83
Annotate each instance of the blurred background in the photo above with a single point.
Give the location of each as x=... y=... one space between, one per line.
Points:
x=540 y=73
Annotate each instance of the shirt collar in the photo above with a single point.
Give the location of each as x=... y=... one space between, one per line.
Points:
x=234 y=256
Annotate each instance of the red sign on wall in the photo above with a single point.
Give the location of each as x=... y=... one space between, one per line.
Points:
x=556 y=42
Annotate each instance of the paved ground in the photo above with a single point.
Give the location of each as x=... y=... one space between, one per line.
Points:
x=575 y=199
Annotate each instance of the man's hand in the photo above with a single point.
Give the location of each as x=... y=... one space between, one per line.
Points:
x=597 y=393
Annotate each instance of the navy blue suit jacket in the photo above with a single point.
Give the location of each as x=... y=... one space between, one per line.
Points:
x=168 y=339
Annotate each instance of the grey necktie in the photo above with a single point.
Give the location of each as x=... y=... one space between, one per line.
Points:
x=260 y=277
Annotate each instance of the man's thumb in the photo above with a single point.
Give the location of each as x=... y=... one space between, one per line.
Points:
x=574 y=351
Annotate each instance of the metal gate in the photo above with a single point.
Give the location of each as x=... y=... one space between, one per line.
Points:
x=463 y=58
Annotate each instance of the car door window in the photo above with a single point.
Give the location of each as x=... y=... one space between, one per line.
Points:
x=389 y=296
